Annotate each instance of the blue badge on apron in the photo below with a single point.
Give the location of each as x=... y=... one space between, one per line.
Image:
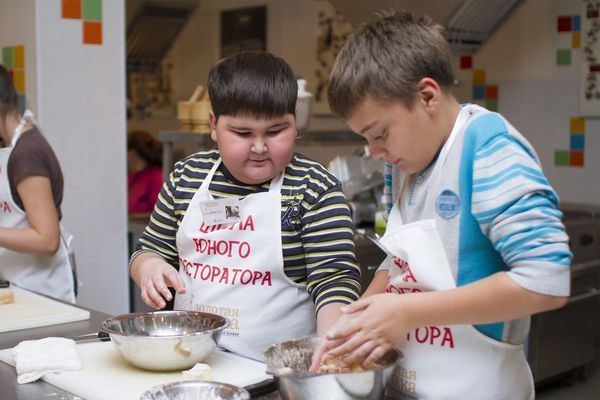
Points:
x=447 y=205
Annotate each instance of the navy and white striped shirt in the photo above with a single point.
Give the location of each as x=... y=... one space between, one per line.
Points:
x=316 y=225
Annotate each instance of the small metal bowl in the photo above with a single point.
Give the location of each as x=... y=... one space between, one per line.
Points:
x=165 y=340
x=194 y=390
x=290 y=362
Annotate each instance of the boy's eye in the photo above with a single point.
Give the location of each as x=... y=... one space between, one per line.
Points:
x=274 y=132
x=380 y=136
x=242 y=133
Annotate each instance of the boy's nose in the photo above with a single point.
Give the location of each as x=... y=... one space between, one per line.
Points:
x=377 y=152
x=259 y=146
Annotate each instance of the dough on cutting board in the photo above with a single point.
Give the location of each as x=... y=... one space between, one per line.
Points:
x=199 y=372
x=7 y=296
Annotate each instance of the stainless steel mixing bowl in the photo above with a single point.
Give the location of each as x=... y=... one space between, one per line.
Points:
x=195 y=390
x=290 y=361
x=165 y=340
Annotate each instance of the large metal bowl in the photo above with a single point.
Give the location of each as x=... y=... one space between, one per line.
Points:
x=290 y=361
x=196 y=390
x=165 y=340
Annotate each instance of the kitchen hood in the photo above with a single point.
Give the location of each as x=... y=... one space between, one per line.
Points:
x=153 y=29
x=473 y=21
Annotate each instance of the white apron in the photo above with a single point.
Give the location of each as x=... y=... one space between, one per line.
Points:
x=50 y=275
x=236 y=270
x=445 y=362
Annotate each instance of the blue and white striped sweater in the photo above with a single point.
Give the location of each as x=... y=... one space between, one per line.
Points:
x=509 y=219
x=515 y=205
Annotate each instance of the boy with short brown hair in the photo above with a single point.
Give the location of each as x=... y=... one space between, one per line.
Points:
x=475 y=239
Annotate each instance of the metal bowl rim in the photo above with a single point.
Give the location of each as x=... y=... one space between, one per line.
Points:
x=306 y=374
x=166 y=386
x=105 y=326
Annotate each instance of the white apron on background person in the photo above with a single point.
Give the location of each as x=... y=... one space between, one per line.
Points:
x=50 y=275
x=445 y=362
x=236 y=270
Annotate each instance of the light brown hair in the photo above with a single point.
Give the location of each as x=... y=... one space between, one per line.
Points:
x=386 y=58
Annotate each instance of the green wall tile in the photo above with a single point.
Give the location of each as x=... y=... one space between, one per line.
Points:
x=491 y=105
x=563 y=57
x=92 y=10
x=561 y=157
x=7 y=57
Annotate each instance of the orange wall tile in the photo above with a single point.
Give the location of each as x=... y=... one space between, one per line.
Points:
x=71 y=9
x=92 y=32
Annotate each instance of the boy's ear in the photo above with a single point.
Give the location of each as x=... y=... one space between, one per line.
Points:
x=430 y=94
x=213 y=124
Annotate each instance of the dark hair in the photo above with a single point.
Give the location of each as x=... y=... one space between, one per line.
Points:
x=386 y=58
x=9 y=99
x=146 y=146
x=252 y=83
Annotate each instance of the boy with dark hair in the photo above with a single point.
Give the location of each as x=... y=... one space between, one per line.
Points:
x=475 y=239
x=286 y=254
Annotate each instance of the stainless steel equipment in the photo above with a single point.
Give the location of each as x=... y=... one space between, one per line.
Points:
x=566 y=340
x=165 y=340
x=362 y=184
x=368 y=254
x=194 y=390
x=293 y=359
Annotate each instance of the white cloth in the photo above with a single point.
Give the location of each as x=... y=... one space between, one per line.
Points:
x=236 y=270
x=52 y=275
x=36 y=358
x=445 y=362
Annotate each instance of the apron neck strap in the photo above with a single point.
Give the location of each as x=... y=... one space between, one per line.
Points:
x=275 y=185
x=27 y=117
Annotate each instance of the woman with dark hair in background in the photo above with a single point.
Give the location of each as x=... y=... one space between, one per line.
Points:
x=34 y=249
x=144 y=168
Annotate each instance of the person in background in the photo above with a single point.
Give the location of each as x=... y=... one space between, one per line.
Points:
x=281 y=262
x=144 y=171
x=475 y=239
x=34 y=249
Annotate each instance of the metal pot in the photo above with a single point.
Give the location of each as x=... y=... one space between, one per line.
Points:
x=165 y=340
x=195 y=390
x=290 y=361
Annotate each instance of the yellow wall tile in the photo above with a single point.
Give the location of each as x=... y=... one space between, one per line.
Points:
x=577 y=125
x=576 y=40
x=479 y=77
x=19 y=79
x=19 y=57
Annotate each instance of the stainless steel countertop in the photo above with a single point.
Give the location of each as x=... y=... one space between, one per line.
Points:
x=11 y=390
x=8 y=376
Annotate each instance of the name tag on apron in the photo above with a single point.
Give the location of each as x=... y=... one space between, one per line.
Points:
x=221 y=211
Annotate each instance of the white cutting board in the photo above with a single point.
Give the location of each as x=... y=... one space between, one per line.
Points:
x=106 y=376
x=31 y=310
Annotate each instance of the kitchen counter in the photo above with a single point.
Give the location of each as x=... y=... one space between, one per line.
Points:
x=8 y=376
x=40 y=389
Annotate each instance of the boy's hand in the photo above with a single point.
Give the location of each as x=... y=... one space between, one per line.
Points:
x=324 y=347
x=156 y=276
x=327 y=344
x=375 y=325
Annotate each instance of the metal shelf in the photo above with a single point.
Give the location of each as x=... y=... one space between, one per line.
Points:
x=201 y=139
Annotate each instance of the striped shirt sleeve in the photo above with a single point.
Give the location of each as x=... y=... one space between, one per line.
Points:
x=317 y=230
x=516 y=208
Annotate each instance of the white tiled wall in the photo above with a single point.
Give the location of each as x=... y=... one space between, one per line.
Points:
x=17 y=27
x=81 y=91
x=538 y=96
